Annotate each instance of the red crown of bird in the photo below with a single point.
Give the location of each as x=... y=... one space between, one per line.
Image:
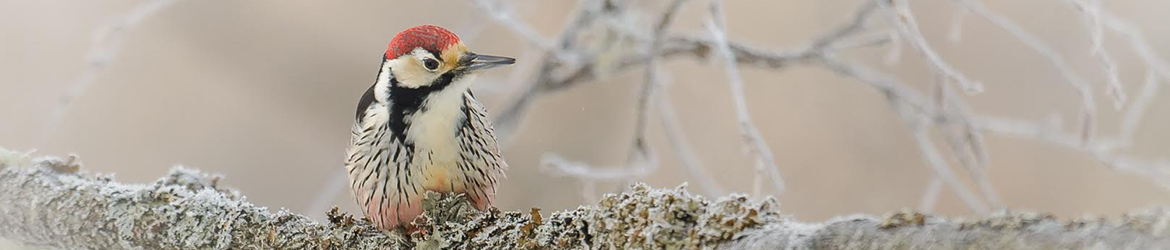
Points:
x=429 y=37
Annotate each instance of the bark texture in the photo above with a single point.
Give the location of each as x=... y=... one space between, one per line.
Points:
x=48 y=202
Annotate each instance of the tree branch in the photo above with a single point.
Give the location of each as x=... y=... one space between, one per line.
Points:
x=43 y=207
x=48 y=203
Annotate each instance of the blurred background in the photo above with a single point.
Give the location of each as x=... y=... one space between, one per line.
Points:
x=264 y=92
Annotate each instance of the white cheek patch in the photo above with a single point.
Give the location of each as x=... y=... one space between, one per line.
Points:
x=406 y=77
x=409 y=71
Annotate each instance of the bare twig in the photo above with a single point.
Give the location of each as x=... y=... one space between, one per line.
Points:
x=557 y=164
x=505 y=18
x=965 y=141
x=1053 y=134
x=683 y=150
x=1133 y=116
x=903 y=20
x=1088 y=107
x=107 y=41
x=956 y=30
x=943 y=171
x=641 y=155
x=913 y=107
x=1137 y=42
x=640 y=150
x=547 y=74
x=765 y=163
x=1091 y=15
x=667 y=116
x=930 y=197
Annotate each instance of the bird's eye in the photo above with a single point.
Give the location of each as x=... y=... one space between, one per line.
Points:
x=431 y=64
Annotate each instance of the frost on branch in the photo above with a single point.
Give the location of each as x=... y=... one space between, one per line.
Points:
x=43 y=206
x=184 y=210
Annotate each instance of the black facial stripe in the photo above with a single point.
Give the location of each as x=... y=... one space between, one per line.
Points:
x=406 y=101
x=435 y=54
x=446 y=79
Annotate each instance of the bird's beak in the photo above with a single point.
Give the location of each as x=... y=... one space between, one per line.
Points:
x=476 y=62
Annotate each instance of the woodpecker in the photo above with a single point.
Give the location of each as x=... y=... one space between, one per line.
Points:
x=419 y=128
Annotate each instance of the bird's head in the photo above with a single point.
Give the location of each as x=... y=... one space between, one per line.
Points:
x=431 y=56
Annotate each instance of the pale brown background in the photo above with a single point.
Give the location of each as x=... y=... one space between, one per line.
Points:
x=263 y=92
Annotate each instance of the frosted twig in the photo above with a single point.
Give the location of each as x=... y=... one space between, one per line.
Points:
x=947 y=109
x=960 y=143
x=903 y=21
x=1156 y=70
x=1133 y=116
x=558 y=164
x=1138 y=43
x=701 y=47
x=864 y=40
x=1091 y=15
x=548 y=80
x=554 y=74
x=1052 y=134
x=930 y=197
x=640 y=149
x=1095 y=17
x=943 y=170
x=107 y=41
x=505 y=18
x=965 y=142
x=666 y=114
x=547 y=74
x=855 y=25
x=956 y=31
x=913 y=108
x=894 y=55
x=641 y=155
x=1088 y=107
x=957 y=112
x=765 y=163
x=682 y=148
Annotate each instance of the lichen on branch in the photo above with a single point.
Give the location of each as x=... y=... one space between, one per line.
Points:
x=185 y=210
x=51 y=202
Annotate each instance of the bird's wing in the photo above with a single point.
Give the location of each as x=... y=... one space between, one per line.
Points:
x=482 y=151
x=374 y=160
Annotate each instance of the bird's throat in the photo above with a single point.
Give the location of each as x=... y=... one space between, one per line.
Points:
x=430 y=116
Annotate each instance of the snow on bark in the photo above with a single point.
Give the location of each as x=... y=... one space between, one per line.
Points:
x=49 y=202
